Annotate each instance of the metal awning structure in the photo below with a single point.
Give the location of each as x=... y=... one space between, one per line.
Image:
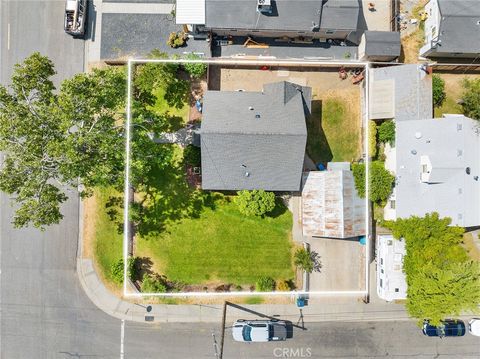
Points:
x=190 y=12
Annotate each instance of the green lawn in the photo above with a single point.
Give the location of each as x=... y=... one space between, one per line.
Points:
x=179 y=116
x=108 y=242
x=449 y=106
x=333 y=132
x=204 y=238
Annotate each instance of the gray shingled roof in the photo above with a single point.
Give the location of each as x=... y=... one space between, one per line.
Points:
x=382 y=43
x=292 y=15
x=459 y=26
x=411 y=95
x=451 y=144
x=270 y=148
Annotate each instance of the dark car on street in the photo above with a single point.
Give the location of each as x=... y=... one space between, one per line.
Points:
x=447 y=328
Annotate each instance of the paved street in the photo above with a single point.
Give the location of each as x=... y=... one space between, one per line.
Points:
x=28 y=26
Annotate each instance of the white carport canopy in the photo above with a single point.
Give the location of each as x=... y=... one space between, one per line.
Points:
x=190 y=12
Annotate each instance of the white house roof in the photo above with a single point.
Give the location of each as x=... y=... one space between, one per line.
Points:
x=391 y=283
x=438 y=169
x=331 y=206
x=190 y=12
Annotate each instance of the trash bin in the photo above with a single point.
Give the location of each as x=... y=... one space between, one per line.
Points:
x=300 y=302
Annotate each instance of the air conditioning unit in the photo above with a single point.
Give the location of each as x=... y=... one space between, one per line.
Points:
x=264 y=6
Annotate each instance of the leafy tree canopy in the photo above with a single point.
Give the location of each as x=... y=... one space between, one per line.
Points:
x=386 y=132
x=196 y=70
x=380 y=181
x=471 y=98
x=441 y=279
x=57 y=139
x=438 y=90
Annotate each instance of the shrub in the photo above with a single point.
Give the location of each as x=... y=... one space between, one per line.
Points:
x=177 y=39
x=284 y=286
x=438 y=89
x=117 y=270
x=471 y=98
x=386 y=132
x=380 y=181
x=358 y=170
x=191 y=156
x=153 y=284
x=195 y=70
x=372 y=139
x=303 y=260
x=256 y=202
x=265 y=284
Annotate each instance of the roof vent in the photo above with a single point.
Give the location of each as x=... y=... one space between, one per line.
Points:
x=418 y=135
x=467 y=170
x=413 y=152
x=250 y=108
x=247 y=174
x=257 y=115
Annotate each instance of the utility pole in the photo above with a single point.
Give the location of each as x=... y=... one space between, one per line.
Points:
x=222 y=339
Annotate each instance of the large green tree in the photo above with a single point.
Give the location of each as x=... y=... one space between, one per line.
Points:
x=380 y=181
x=56 y=139
x=442 y=280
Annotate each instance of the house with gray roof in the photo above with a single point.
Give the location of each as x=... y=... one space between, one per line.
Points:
x=379 y=46
x=254 y=140
x=436 y=163
x=452 y=29
x=314 y=19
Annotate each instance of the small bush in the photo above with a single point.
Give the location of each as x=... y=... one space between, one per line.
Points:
x=153 y=284
x=265 y=284
x=372 y=139
x=195 y=70
x=303 y=260
x=386 y=132
x=191 y=156
x=256 y=202
x=177 y=39
x=116 y=270
x=284 y=286
x=438 y=90
x=358 y=170
x=381 y=182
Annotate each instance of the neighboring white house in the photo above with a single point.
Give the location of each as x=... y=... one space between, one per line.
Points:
x=452 y=29
x=436 y=163
x=391 y=283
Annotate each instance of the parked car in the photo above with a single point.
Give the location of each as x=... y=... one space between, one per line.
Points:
x=259 y=330
x=448 y=328
x=474 y=326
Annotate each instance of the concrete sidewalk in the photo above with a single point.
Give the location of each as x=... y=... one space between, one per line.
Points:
x=320 y=309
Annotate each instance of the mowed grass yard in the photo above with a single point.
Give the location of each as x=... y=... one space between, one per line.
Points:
x=334 y=130
x=222 y=245
x=107 y=241
x=203 y=239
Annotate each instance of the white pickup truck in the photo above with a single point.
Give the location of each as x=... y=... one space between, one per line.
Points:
x=75 y=17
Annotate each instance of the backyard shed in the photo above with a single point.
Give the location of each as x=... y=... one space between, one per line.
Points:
x=379 y=46
x=254 y=140
x=331 y=206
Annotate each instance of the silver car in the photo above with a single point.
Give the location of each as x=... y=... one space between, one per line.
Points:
x=259 y=330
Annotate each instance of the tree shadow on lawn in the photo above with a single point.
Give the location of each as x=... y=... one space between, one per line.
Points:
x=280 y=208
x=168 y=198
x=318 y=148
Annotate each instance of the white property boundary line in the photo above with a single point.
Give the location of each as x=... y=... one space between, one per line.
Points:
x=245 y=62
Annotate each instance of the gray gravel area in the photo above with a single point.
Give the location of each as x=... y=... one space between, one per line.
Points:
x=135 y=35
